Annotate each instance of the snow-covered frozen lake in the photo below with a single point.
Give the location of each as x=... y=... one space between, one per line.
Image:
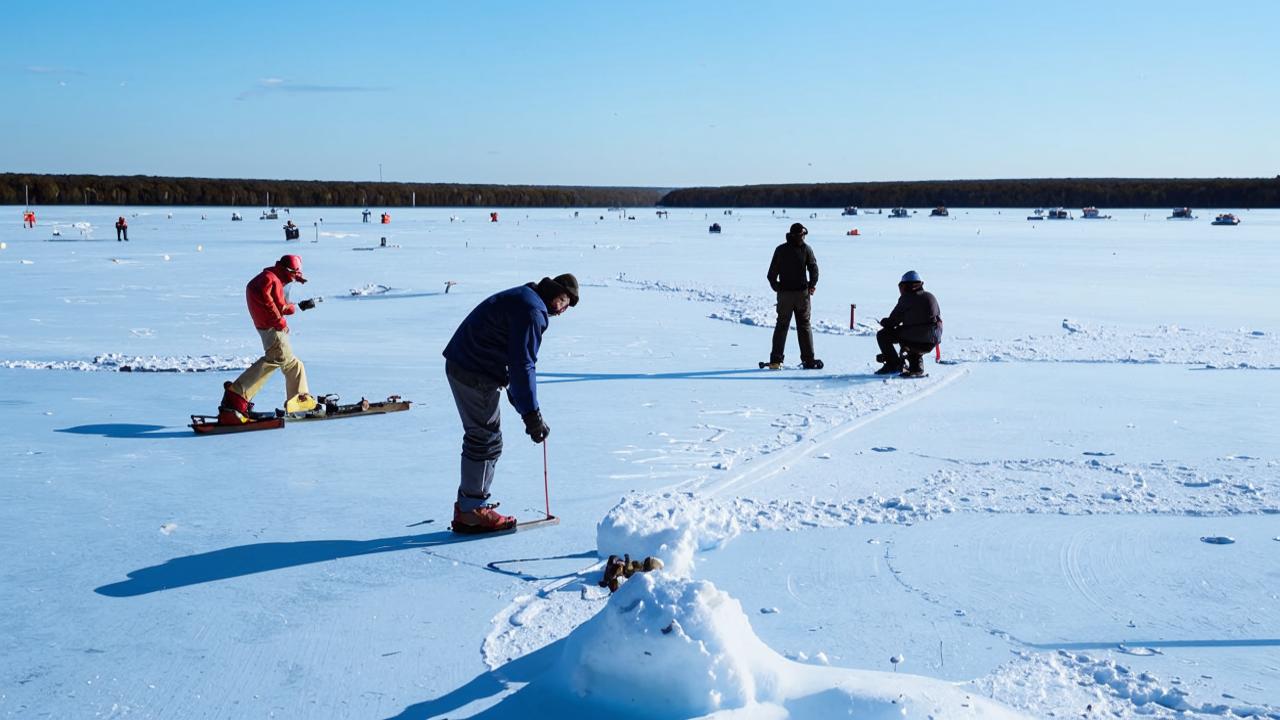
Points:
x=1077 y=513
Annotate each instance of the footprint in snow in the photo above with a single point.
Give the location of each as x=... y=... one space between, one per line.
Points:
x=1217 y=540
x=885 y=448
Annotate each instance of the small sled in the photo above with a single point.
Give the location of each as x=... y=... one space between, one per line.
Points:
x=209 y=425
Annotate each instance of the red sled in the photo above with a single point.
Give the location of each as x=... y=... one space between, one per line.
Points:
x=209 y=425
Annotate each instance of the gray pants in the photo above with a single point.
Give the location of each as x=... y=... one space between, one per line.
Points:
x=793 y=302
x=477 y=398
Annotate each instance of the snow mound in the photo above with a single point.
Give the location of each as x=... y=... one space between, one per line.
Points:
x=370 y=289
x=671 y=526
x=117 y=362
x=669 y=647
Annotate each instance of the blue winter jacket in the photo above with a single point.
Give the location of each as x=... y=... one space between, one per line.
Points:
x=500 y=340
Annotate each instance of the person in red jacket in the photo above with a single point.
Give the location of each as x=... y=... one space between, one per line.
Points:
x=268 y=308
x=122 y=229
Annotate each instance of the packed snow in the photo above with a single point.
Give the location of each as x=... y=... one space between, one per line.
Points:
x=1073 y=515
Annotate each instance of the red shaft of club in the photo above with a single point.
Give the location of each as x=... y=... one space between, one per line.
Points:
x=546 y=484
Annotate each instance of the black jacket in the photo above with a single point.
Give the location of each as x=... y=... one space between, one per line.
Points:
x=917 y=317
x=791 y=260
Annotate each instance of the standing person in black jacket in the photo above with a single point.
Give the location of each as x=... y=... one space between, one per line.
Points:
x=793 y=274
x=915 y=324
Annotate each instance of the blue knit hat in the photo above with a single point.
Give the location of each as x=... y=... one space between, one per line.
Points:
x=911 y=276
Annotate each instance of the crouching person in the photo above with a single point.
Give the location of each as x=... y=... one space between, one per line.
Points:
x=496 y=346
x=915 y=325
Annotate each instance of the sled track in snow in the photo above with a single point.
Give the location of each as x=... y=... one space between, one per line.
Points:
x=764 y=468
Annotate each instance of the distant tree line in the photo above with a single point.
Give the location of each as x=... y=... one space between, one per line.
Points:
x=1071 y=192
x=148 y=190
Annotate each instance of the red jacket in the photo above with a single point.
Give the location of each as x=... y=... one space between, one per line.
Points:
x=121 y=224
x=265 y=296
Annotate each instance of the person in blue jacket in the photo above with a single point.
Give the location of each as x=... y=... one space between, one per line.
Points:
x=496 y=347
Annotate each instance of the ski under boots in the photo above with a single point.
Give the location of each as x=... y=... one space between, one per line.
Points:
x=483 y=519
x=814 y=364
x=235 y=409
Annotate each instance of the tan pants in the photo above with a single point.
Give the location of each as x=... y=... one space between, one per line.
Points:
x=278 y=356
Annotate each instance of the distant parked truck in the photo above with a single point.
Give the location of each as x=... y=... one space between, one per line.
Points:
x=715 y=228
x=899 y=213
x=1091 y=213
x=1182 y=213
x=851 y=210
x=1226 y=219
x=939 y=211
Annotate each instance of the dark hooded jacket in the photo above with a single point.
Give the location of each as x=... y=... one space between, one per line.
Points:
x=500 y=339
x=791 y=260
x=917 y=317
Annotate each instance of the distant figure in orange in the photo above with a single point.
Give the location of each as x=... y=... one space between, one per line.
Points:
x=28 y=218
x=122 y=229
x=386 y=218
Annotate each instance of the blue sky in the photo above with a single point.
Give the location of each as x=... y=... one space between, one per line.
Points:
x=657 y=93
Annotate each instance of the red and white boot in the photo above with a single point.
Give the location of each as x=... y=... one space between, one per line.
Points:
x=483 y=519
x=235 y=408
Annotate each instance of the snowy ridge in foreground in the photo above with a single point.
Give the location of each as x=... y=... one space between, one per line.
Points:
x=1101 y=687
x=671 y=647
x=117 y=362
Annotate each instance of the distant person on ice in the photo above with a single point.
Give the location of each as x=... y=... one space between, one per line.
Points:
x=122 y=229
x=267 y=307
x=793 y=274
x=915 y=324
x=495 y=347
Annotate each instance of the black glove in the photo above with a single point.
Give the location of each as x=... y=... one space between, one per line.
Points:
x=535 y=427
x=777 y=287
x=307 y=304
x=884 y=322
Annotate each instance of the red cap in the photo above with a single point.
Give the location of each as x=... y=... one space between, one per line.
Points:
x=292 y=266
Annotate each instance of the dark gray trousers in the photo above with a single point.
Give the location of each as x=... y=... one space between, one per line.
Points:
x=477 y=398
x=793 y=302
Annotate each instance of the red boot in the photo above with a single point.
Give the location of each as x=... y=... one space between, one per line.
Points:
x=235 y=408
x=483 y=519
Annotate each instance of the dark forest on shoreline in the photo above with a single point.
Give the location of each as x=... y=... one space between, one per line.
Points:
x=1070 y=192
x=149 y=190
x=42 y=189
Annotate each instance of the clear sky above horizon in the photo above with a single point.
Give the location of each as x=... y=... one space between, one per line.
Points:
x=662 y=94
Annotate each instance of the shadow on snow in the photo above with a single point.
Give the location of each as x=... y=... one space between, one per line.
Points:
x=244 y=560
x=125 y=430
x=548 y=378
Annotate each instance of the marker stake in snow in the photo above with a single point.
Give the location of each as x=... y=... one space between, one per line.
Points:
x=852 y=308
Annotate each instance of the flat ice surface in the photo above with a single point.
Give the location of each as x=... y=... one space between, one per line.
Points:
x=1028 y=518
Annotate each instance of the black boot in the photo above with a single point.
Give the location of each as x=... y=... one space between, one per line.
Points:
x=915 y=365
x=892 y=366
x=814 y=364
